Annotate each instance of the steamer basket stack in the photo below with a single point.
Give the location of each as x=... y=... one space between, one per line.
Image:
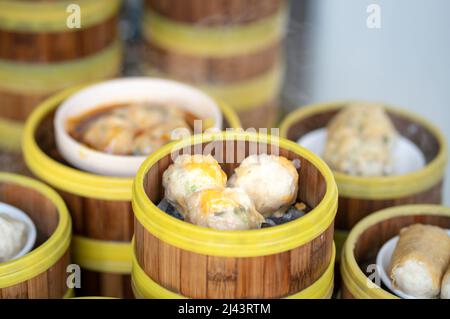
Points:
x=42 y=273
x=43 y=51
x=112 y=228
x=360 y=250
x=100 y=205
x=231 y=51
x=360 y=197
x=175 y=259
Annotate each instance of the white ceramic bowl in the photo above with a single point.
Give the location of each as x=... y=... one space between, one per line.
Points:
x=384 y=261
x=18 y=214
x=126 y=90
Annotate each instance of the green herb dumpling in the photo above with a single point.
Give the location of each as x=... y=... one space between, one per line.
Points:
x=360 y=139
x=224 y=209
x=189 y=174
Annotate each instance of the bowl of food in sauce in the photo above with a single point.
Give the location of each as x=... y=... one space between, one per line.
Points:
x=111 y=127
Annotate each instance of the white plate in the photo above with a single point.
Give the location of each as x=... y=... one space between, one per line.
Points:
x=384 y=261
x=407 y=156
x=18 y=214
x=126 y=90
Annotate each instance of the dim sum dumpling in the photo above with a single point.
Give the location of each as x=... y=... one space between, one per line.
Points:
x=189 y=174
x=137 y=129
x=445 y=287
x=146 y=115
x=152 y=139
x=224 y=209
x=111 y=134
x=12 y=237
x=360 y=140
x=420 y=259
x=271 y=182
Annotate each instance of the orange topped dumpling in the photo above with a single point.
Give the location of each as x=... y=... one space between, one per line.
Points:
x=189 y=174
x=270 y=181
x=131 y=129
x=224 y=209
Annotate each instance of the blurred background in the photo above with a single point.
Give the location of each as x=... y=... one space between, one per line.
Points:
x=331 y=54
x=326 y=52
x=264 y=58
x=405 y=63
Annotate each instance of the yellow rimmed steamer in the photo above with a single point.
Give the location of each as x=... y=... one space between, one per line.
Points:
x=230 y=49
x=367 y=238
x=100 y=206
x=361 y=196
x=42 y=273
x=175 y=259
x=42 y=51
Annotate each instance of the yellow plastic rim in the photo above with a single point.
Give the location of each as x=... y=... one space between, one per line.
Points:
x=10 y=135
x=249 y=243
x=355 y=280
x=32 y=16
x=70 y=179
x=247 y=94
x=145 y=288
x=102 y=256
x=36 y=78
x=379 y=188
x=217 y=42
x=70 y=293
x=47 y=254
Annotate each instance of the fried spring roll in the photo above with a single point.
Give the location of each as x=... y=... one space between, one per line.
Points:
x=420 y=260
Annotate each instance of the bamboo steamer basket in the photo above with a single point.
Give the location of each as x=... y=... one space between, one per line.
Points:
x=231 y=49
x=256 y=100
x=145 y=288
x=367 y=238
x=214 y=70
x=100 y=206
x=40 y=274
x=11 y=159
x=209 y=41
x=40 y=55
x=220 y=13
x=199 y=262
x=38 y=31
x=361 y=196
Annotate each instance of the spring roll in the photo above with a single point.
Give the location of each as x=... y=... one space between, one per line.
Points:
x=445 y=289
x=420 y=260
